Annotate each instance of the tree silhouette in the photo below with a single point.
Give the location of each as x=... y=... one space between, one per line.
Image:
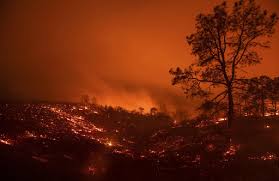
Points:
x=258 y=91
x=153 y=111
x=94 y=100
x=274 y=95
x=85 y=99
x=264 y=90
x=141 y=110
x=209 y=109
x=224 y=43
x=260 y=95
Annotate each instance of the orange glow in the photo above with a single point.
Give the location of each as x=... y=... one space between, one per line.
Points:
x=6 y=141
x=119 y=52
x=267 y=126
x=265 y=157
x=232 y=150
x=109 y=143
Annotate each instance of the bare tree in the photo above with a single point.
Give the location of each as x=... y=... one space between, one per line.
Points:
x=225 y=42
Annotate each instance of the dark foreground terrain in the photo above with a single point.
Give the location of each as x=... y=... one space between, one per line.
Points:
x=75 y=142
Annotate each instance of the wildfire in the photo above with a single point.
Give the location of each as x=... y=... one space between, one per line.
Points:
x=29 y=135
x=267 y=156
x=80 y=126
x=267 y=126
x=6 y=141
x=210 y=147
x=109 y=143
x=267 y=114
x=78 y=123
x=92 y=170
x=161 y=146
x=232 y=150
x=222 y=119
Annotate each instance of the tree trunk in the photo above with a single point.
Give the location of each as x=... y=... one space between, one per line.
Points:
x=230 y=108
x=263 y=104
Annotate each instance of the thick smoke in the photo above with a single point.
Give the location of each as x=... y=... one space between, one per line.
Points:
x=117 y=51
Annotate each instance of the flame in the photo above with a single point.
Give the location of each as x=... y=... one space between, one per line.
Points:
x=6 y=141
x=232 y=150
x=109 y=143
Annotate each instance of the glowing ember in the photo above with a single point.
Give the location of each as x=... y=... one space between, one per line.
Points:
x=232 y=150
x=76 y=121
x=267 y=114
x=109 y=143
x=6 y=142
x=267 y=156
x=162 y=145
x=222 y=119
x=267 y=126
x=210 y=147
x=29 y=135
x=92 y=170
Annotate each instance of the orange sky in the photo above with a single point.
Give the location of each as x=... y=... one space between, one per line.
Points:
x=120 y=51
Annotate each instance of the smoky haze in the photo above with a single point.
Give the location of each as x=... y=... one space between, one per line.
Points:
x=118 y=51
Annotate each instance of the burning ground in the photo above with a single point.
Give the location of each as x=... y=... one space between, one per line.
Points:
x=77 y=142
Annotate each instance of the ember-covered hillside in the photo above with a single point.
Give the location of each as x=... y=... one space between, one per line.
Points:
x=77 y=142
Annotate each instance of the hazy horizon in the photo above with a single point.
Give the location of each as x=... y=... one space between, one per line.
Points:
x=119 y=52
